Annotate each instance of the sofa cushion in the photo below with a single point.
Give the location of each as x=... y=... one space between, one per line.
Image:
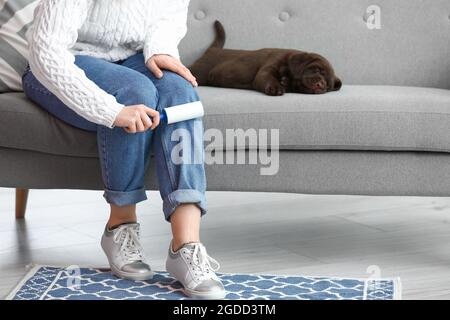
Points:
x=15 y=18
x=355 y=118
x=24 y=125
x=409 y=47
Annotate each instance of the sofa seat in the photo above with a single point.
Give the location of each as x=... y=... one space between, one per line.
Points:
x=378 y=118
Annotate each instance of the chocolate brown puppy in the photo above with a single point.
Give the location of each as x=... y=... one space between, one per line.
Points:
x=271 y=71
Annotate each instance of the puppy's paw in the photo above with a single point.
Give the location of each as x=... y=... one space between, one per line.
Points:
x=284 y=81
x=274 y=89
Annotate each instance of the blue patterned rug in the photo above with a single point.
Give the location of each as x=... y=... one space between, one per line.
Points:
x=55 y=283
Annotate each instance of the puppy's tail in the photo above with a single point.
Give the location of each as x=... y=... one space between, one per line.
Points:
x=219 y=42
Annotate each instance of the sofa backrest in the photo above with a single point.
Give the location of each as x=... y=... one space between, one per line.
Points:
x=385 y=42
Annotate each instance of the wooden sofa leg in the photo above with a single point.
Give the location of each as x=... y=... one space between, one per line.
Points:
x=21 y=202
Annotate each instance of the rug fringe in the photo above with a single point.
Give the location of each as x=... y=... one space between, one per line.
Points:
x=397 y=288
x=31 y=271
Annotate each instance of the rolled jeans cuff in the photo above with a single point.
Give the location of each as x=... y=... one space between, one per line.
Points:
x=183 y=196
x=120 y=198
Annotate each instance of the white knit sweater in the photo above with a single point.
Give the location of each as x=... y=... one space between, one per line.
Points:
x=108 y=29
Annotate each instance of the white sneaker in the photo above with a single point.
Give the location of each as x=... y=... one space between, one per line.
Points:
x=191 y=266
x=124 y=252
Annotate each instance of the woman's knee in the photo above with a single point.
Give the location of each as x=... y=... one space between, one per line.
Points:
x=176 y=84
x=138 y=90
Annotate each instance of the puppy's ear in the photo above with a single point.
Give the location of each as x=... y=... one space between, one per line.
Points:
x=337 y=84
x=298 y=61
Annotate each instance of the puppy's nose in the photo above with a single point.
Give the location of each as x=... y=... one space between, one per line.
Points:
x=319 y=85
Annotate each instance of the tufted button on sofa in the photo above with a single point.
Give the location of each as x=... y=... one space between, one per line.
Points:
x=387 y=132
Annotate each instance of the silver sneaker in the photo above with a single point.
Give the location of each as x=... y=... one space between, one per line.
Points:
x=192 y=267
x=125 y=254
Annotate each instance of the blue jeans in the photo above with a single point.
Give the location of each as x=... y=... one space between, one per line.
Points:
x=123 y=156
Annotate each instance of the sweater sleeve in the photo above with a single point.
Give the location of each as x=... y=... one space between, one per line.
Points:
x=167 y=29
x=54 y=32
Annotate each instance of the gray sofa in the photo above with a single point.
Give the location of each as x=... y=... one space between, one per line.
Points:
x=387 y=132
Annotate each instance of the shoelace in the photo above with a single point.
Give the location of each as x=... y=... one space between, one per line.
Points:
x=131 y=247
x=202 y=263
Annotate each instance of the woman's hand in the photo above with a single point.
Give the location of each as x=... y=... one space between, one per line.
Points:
x=136 y=118
x=164 y=61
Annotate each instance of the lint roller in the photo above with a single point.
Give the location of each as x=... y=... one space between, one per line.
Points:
x=182 y=112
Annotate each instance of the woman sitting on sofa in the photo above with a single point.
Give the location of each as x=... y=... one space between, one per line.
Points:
x=98 y=66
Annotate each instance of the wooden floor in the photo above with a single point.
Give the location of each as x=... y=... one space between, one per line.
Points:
x=407 y=237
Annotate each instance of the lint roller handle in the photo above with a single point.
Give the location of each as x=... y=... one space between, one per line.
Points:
x=163 y=116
